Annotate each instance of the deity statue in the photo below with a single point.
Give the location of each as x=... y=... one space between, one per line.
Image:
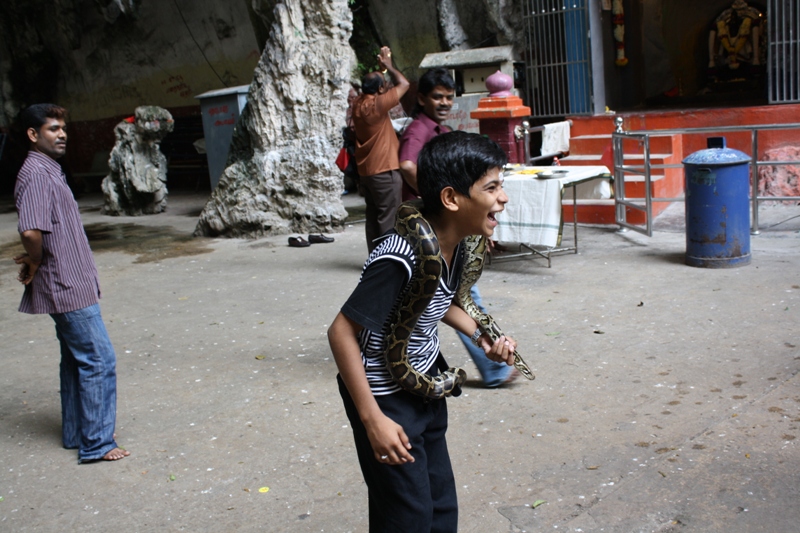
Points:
x=737 y=37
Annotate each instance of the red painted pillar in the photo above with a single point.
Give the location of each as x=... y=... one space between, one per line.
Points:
x=498 y=117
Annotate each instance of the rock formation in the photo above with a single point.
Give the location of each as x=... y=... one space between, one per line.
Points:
x=281 y=177
x=137 y=184
x=112 y=9
x=451 y=28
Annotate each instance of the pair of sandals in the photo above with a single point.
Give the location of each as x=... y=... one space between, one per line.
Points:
x=299 y=242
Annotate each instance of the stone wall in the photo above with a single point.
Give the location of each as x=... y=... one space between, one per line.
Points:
x=780 y=180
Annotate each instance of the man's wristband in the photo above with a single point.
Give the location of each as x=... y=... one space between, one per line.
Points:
x=476 y=336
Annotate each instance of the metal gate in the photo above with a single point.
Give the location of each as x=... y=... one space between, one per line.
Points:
x=783 y=58
x=558 y=64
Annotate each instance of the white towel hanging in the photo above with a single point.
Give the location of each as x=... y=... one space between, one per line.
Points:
x=555 y=138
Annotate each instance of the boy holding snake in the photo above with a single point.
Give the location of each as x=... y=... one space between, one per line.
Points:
x=385 y=338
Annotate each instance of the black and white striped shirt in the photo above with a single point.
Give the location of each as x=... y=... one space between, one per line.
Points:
x=67 y=278
x=386 y=273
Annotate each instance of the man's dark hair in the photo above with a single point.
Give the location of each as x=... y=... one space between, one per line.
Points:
x=36 y=115
x=456 y=159
x=371 y=83
x=434 y=77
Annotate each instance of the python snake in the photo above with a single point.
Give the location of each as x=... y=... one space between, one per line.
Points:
x=414 y=300
x=475 y=248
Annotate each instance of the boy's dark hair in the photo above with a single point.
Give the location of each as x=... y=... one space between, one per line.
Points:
x=371 y=83
x=456 y=159
x=37 y=114
x=434 y=77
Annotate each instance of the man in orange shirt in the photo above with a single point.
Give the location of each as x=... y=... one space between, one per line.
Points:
x=377 y=146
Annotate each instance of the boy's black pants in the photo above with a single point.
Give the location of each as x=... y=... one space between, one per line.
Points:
x=415 y=497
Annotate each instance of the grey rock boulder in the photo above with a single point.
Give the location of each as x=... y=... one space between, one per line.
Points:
x=137 y=183
x=281 y=177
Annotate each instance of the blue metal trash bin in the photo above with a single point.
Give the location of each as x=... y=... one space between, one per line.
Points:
x=717 y=206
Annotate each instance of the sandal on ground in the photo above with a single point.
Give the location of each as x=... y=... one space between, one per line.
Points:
x=316 y=239
x=298 y=242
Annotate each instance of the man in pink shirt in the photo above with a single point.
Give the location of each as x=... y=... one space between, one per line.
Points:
x=435 y=92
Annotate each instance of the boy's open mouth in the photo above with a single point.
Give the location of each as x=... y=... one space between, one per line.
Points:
x=493 y=216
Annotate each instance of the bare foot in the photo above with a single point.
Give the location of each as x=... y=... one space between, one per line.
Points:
x=116 y=454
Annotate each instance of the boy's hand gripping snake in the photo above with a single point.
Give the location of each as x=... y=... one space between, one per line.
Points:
x=415 y=299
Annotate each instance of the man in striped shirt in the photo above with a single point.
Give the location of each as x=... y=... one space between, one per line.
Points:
x=400 y=437
x=60 y=279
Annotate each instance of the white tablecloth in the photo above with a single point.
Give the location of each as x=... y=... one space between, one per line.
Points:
x=533 y=212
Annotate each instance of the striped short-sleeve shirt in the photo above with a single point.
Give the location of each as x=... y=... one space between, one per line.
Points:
x=386 y=273
x=67 y=278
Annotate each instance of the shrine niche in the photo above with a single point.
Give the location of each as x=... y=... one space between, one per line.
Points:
x=737 y=44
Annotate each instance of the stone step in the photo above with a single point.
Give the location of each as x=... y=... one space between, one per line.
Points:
x=590 y=144
x=601 y=211
x=604 y=212
x=664 y=183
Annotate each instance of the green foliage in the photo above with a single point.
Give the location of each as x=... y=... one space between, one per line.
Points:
x=364 y=40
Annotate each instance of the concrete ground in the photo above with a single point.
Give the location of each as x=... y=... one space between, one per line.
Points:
x=667 y=397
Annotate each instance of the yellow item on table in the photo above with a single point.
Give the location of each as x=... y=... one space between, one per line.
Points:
x=529 y=171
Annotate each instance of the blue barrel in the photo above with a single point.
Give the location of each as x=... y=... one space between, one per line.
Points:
x=717 y=206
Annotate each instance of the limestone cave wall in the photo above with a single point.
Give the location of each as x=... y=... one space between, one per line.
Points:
x=103 y=58
x=420 y=27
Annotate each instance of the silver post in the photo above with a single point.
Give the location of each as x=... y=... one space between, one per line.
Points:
x=526 y=142
x=619 y=175
x=754 y=181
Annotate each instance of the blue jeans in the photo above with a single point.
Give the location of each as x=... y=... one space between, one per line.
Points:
x=492 y=372
x=88 y=383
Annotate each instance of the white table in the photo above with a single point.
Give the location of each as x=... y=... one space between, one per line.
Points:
x=533 y=215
